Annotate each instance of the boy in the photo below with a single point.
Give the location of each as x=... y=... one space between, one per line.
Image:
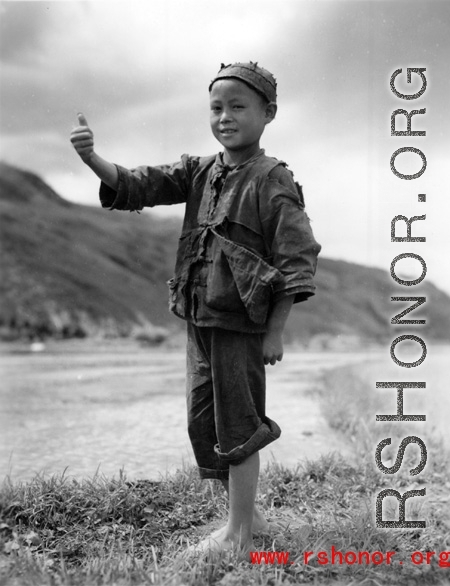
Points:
x=245 y=255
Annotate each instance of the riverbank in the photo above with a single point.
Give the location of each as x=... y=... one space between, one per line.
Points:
x=107 y=531
x=115 y=532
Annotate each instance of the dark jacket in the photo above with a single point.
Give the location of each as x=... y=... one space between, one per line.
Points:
x=246 y=239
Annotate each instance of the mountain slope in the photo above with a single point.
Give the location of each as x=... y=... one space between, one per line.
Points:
x=355 y=300
x=71 y=270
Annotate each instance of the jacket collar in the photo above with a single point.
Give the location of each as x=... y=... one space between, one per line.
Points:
x=221 y=166
x=220 y=169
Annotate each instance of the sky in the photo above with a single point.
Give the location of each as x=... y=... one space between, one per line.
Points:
x=140 y=71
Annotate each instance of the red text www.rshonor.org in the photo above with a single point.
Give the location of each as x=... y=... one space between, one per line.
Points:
x=269 y=557
x=336 y=557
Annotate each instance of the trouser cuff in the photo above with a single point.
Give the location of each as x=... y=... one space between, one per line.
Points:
x=266 y=433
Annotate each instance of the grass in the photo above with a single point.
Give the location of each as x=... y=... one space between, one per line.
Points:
x=111 y=531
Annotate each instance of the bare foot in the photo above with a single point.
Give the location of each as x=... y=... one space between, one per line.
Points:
x=222 y=542
x=261 y=526
x=260 y=523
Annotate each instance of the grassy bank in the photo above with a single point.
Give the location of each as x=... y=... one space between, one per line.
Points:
x=103 y=531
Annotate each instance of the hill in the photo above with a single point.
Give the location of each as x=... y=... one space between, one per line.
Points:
x=73 y=270
x=70 y=270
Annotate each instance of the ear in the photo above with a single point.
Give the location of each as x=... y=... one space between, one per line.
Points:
x=271 y=110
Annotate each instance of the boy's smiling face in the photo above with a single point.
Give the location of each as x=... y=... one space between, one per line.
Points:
x=238 y=118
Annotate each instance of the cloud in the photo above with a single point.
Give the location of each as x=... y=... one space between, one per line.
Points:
x=140 y=72
x=113 y=57
x=21 y=27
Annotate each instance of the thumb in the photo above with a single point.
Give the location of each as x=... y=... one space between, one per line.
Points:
x=82 y=120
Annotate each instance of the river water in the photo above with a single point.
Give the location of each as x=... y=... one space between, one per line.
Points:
x=83 y=408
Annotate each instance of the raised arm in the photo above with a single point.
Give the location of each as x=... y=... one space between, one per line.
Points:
x=82 y=139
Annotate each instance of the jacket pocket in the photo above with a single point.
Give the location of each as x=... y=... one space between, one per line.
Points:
x=254 y=281
x=252 y=277
x=221 y=291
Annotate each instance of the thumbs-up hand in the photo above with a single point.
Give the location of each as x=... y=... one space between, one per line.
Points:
x=82 y=139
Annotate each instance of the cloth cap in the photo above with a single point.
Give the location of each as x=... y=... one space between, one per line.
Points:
x=259 y=79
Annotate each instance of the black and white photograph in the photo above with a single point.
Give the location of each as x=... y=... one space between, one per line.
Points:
x=224 y=292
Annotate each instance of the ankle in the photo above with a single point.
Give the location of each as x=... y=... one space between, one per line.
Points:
x=239 y=535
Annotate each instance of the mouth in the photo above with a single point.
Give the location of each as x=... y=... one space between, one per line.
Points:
x=227 y=131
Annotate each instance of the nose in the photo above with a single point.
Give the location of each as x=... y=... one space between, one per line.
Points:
x=225 y=115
